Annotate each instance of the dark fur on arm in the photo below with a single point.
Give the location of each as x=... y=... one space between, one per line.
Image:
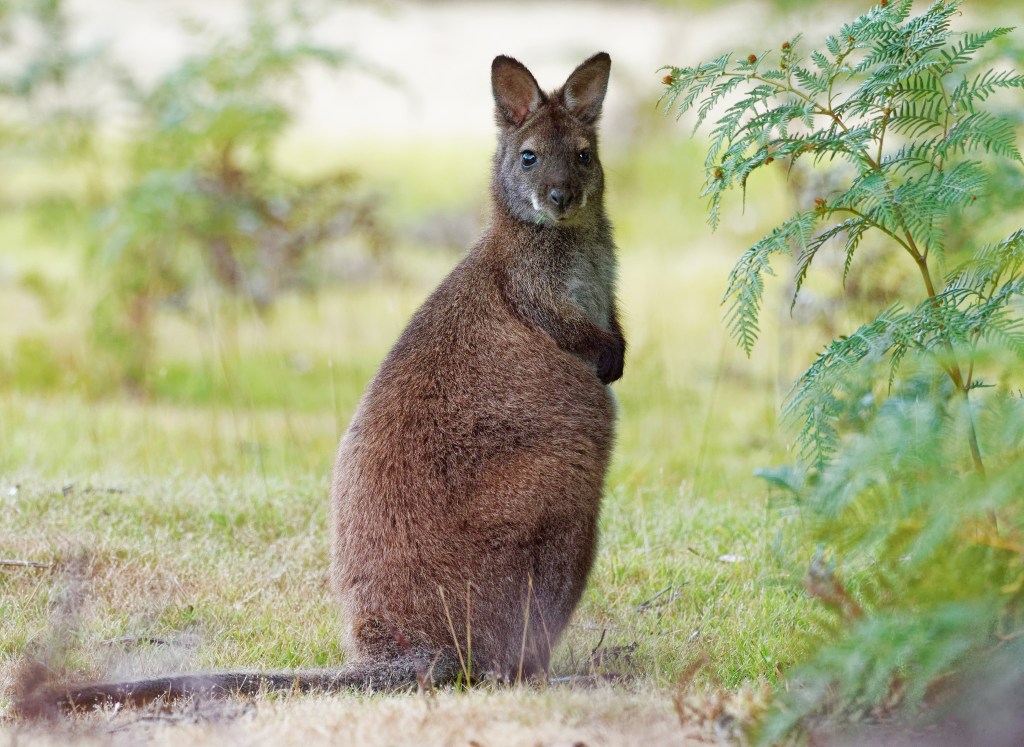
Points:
x=573 y=332
x=610 y=369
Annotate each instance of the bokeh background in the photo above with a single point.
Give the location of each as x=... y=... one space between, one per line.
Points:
x=236 y=206
x=215 y=219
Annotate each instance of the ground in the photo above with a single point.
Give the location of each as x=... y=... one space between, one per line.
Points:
x=186 y=528
x=562 y=719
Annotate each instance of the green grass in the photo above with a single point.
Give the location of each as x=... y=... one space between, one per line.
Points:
x=198 y=515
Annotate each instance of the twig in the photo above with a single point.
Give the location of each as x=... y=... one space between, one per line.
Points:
x=647 y=602
x=455 y=637
x=821 y=583
x=25 y=563
x=659 y=599
x=600 y=657
x=469 y=631
x=134 y=639
x=587 y=680
x=526 y=627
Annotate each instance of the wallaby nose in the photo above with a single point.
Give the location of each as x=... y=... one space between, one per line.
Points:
x=560 y=197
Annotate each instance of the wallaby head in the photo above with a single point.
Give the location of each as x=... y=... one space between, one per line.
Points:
x=546 y=166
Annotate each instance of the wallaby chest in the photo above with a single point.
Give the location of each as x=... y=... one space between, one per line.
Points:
x=589 y=283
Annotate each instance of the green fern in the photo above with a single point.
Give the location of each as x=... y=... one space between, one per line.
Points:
x=927 y=583
x=910 y=476
x=745 y=290
x=893 y=102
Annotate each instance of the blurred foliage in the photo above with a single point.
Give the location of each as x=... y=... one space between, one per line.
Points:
x=919 y=579
x=193 y=197
x=797 y=6
x=51 y=91
x=910 y=477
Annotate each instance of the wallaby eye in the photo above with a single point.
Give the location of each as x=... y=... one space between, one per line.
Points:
x=529 y=158
x=585 y=157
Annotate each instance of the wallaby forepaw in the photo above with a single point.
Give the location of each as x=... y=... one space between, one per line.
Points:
x=610 y=364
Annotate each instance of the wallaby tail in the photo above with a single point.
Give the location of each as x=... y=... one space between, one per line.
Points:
x=395 y=675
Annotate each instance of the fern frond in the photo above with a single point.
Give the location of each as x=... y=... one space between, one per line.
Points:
x=1001 y=328
x=813 y=402
x=851 y=227
x=896 y=504
x=871 y=194
x=814 y=84
x=853 y=238
x=720 y=90
x=690 y=82
x=745 y=290
x=983 y=272
x=972 y=43
x=916 y=117
x=984 y=131
x=968 y=94
x=911 y=157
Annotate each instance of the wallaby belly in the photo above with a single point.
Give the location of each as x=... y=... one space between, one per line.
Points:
x=590 y=285
x=467 y=491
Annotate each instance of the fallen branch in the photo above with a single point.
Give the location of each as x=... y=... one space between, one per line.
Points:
x=659 y=599
x=129 y=640
x=25 y=563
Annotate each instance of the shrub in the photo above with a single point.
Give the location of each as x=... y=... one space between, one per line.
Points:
x=205 y=198
x=910 y=432
x=189 y=194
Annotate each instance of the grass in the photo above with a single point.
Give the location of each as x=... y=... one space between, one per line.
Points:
x=597 y=717
x=197 y=517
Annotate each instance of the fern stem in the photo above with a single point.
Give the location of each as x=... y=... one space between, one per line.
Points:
x=920 y=258
x=945 y=120
x=922 y=265
x=953 y=369
x=825 y=111
x=881 y=133
x=875 y=224
x=972 y=439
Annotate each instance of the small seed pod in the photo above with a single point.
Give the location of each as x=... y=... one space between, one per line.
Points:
x=719 y=174
x=752 y=59
x=667 y=80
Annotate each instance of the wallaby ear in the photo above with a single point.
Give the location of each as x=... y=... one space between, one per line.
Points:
x=583 y=93
x=516 y=93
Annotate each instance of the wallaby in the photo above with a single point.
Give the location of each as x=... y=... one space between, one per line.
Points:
x=467 y=488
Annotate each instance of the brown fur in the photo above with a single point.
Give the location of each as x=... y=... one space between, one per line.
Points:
x=467 y=489
x=477 y=457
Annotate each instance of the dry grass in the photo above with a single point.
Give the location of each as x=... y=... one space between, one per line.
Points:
x=604 y=716
x=197 y=520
